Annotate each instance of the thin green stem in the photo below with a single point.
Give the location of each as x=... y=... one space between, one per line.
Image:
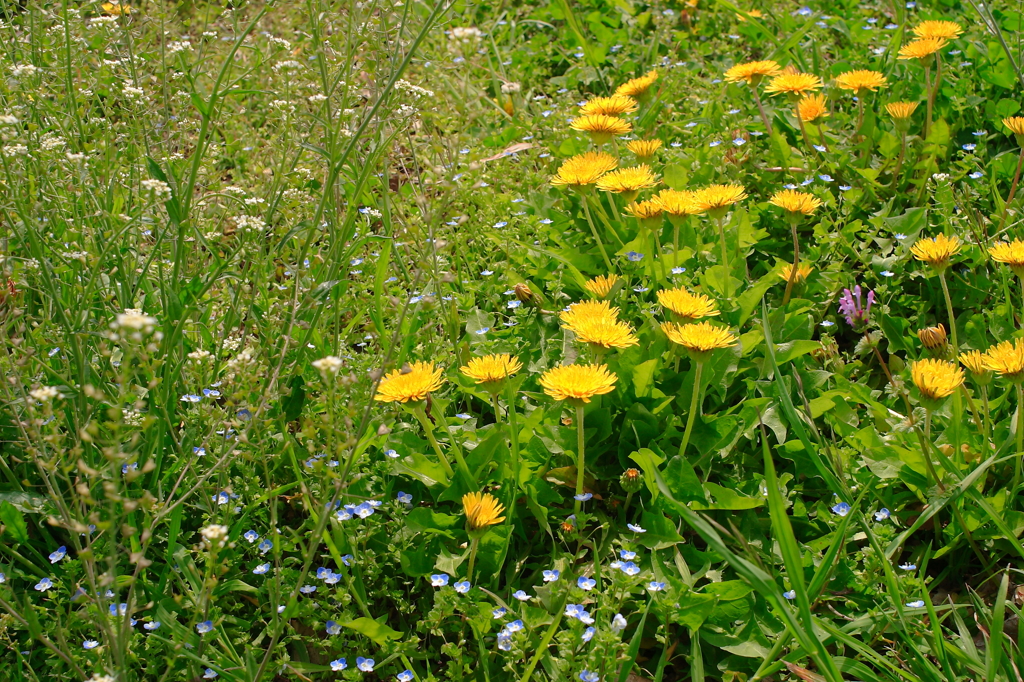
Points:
x=597 y=237
x=473 y=547
x=428 y=428
x=580 y=442
x=949 y=310
x=899 y=160
x=928 y=117
x=720 y=222
x=1020 y=438
x=497 y=408
x=1013 y=190
x=695 y=403
x=926 y=450
x=514 y=439
x=986 y=415
x=760 y=108
x=796 y=264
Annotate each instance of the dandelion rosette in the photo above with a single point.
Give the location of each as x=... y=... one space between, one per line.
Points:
x=936 y=379
x=584 y=169
x=600 y=127
x=795 y=203
x=947 y=30
x=860 y=81
x=793 y=84
x=753 y=72
x=1007 y=360
x=411 y=383
x=482 y=510
x=811 y=108
x=686 y=307
x=601 y=286
x=577 y=383
x=850 y=306
x=700 y=339
x=491 y=369
x=936 y=251
x=922 y=48
x=616 y=105
x=638 y=87
x=643 y=149
x=1011 y=254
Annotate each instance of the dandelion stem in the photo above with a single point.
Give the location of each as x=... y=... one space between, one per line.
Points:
x=760 y=108
x=985 y=414
x=796 y=264
x=580 y=442
x=695 y=402
x=497 y=408
x=473 y=547
x=428 y=428
x=928 y=117
x=927 y=447
x=1013 y=190
x=949 y=309
x=597 y=237
x=933 y=93
x=899 y=159
x=1020 y=438
x=720 y=221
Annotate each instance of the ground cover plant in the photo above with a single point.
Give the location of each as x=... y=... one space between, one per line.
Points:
x=511 y=341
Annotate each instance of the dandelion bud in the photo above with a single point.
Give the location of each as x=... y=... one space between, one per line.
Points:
x=631 y=480
x=934 y=339
x=524 y=294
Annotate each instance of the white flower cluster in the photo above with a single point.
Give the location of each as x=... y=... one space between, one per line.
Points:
x=160 y=188
x=467 y=34
x=215 y=534
x=402 y=84
x=45 y=394
x=135 y=319
x=179 y=46
x=511 y=88
x=287 y=65
x=283 y=105
x=49 y=142
x=328 y=365
x=23 y=70
x=200 y=355
x=250 y=223
x=134 y=93
x=97 y=22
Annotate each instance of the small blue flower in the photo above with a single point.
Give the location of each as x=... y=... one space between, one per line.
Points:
x=521 y=596
x=512 y=305
x=204 y=627
x=804 y=11
x=59 y=554
x=678 y=271
x=347 y=559
x=211 y=393
x=714 y=143
x=655 y=586
x=825 y=178
x=916 y=604
x=463 y=415
x=338 y=665
x=393 y=454
x=365 y=664
x=588 y=676
x=546 y=221
x=828 y=323
x=90 y=644
x=881 y=514
x=487 y=273
x=190 y=398
x=251 y=536
x=908 y=567
x=499 y=612
x=639 y=290
x=626 y=555
x=900 y=236
x=333 y=628
x=806 y=182
x=583 y=498
x=970 y=147
x=842 y=509
x=405 y=676
x=307 y=589
x=265 y=546
x=635 y=529
x=364 y=510
x=979 y=133
x=887 y=273
x=845 y=188
x=739 y=142
x=209 y=674
x=615 y=565
x=43 y=585
x=501 y=223
x=789 y=595
x=462 y=587
x=261 y=569
x=588 y=634
x=221 y=498
x=482 y=331
x=515 y=626
x=118 y=609
x=152 y=625
x=439 y=580
x=634 y=256
x=629 y=568
x=404 y=498
x=976 y=175
x=551 y=576
x=585 y=583
x=133 y=466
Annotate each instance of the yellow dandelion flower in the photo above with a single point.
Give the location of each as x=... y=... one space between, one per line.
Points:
x=676 y=203
x=811 y=108
x=1007 y=359
x=794 y=202
x=601 y=286
x=795 y=84
x=685 y=306
x=409 y=383
x=116 y=9
x=901 y=111
x=644 y=149
x=616 y=105
x=861 y=80
x=936 y=379
x=974 y=361
x=585 y=311
x=645 y=210
x=491 y=369
x=1015 y=124
x=628 y=181
x=922 y=48
x=482 y=510
x=604 y=333
x=948 y=30
x=600 y=127
x=933 y=338
x=638 y=87
x=584 y=169
x=718 y=197
x=1010 y=253
x=753 y=72
x=756 y=13
x=936 y=251
x=577 y=383
x=802 y=273
x=699 y=339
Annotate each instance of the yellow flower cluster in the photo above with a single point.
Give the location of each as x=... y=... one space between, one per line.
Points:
x=597 y=323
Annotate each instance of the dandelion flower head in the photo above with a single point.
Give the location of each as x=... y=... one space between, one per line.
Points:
x=588 y=310
x=409 y=383
x=802 y=272
x=936 y=379
x=718 y=197
x=482 y=510
x=1007 y=359
x=700 y=338
x=685 y=305
x=616 y=105
x=1010 y=253
x=643 y=149
x=936 y=251
x=812 y=107
x=491 y=368
x=601 y=127
x=793 y=84
x=637 y=87
x=753 y=72
x=901 y=110
x=577 y=383
x=922 y=48
x=628 y=180
x=861 y=80
x=644 y=210
x=601 y=285
x=584 y=169
x=948 y=30
x=1015 y=124
x=604 y=333
x=792 y=201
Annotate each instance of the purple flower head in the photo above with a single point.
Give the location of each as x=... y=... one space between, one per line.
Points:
x=850 y=305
